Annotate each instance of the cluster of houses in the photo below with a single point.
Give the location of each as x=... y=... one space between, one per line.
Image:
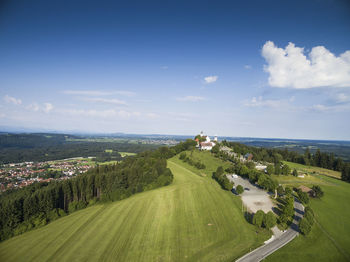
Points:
x=18 y=175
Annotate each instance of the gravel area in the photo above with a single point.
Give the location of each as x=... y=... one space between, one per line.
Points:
x=253 y=197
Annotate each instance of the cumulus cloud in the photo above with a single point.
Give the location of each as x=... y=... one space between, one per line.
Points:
x=98 y=92
x=106 y=100
x=191 y=98
x=210 y=79
x=47 y=107
x=12 y=100
x=292 y=68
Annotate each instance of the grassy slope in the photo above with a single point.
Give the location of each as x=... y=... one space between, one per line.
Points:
x=192 y=219
x=313 y=169
x=329 y=239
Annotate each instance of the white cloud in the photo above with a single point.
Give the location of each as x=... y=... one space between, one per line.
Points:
x=330 y=108
x=106 y=100
x=2 y=115
x=342 y=98
x=210 y=79
x=109 y=113
x=191 y=98
x=260 y=102
x=47 y=107
x=152 y=115
x=12 y=100
x=291 y=68
x=98 y=93
x=248 y=67
x=34 y=107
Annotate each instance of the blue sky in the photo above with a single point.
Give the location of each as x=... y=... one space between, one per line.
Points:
x=233 y=68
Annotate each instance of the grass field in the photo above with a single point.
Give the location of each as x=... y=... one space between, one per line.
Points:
x=192 y=219
x=123 y=154
x=329 y=239
x=313 y=170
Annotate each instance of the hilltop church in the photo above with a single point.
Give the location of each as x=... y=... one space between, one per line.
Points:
x=207 y=144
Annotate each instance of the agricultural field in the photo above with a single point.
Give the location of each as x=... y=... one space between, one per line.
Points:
x=190 y=220
x=329 y=239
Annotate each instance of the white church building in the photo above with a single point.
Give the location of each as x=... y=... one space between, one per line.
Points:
x=207 y=144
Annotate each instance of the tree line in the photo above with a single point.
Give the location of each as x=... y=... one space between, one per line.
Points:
x=40 y=203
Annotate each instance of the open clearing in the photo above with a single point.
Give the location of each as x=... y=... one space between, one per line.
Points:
x=329 y=239
x=192 y=219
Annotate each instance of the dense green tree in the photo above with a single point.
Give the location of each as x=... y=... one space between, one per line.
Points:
x=295 y=172
x=270 y=169
x=258 y=218
x=285 y=170
x=269 y=220
x=239 y=189
x=303 y=197
x=304 y=226
x=280 y=190
x=318 y=191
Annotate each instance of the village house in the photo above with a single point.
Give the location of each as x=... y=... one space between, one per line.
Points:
x=307 y=190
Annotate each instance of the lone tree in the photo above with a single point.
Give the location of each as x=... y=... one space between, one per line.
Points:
x=239 y=189
x=269 y=220
x=318 y=191
x=295 y=172
x=258 y=218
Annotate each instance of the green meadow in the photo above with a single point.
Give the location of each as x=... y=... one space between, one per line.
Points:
x=192 y=219
x=329 y=239
x=313 y=170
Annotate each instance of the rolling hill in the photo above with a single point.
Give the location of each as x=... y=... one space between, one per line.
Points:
x=192 y=219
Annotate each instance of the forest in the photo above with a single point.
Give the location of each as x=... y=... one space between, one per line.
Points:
x=15 y=148
x=40 y=203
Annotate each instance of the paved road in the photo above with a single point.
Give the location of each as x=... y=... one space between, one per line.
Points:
x=267 y=249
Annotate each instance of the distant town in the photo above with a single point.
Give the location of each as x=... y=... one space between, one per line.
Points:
x=18 y=175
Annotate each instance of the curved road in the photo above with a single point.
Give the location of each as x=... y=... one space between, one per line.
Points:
x=267 y=249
